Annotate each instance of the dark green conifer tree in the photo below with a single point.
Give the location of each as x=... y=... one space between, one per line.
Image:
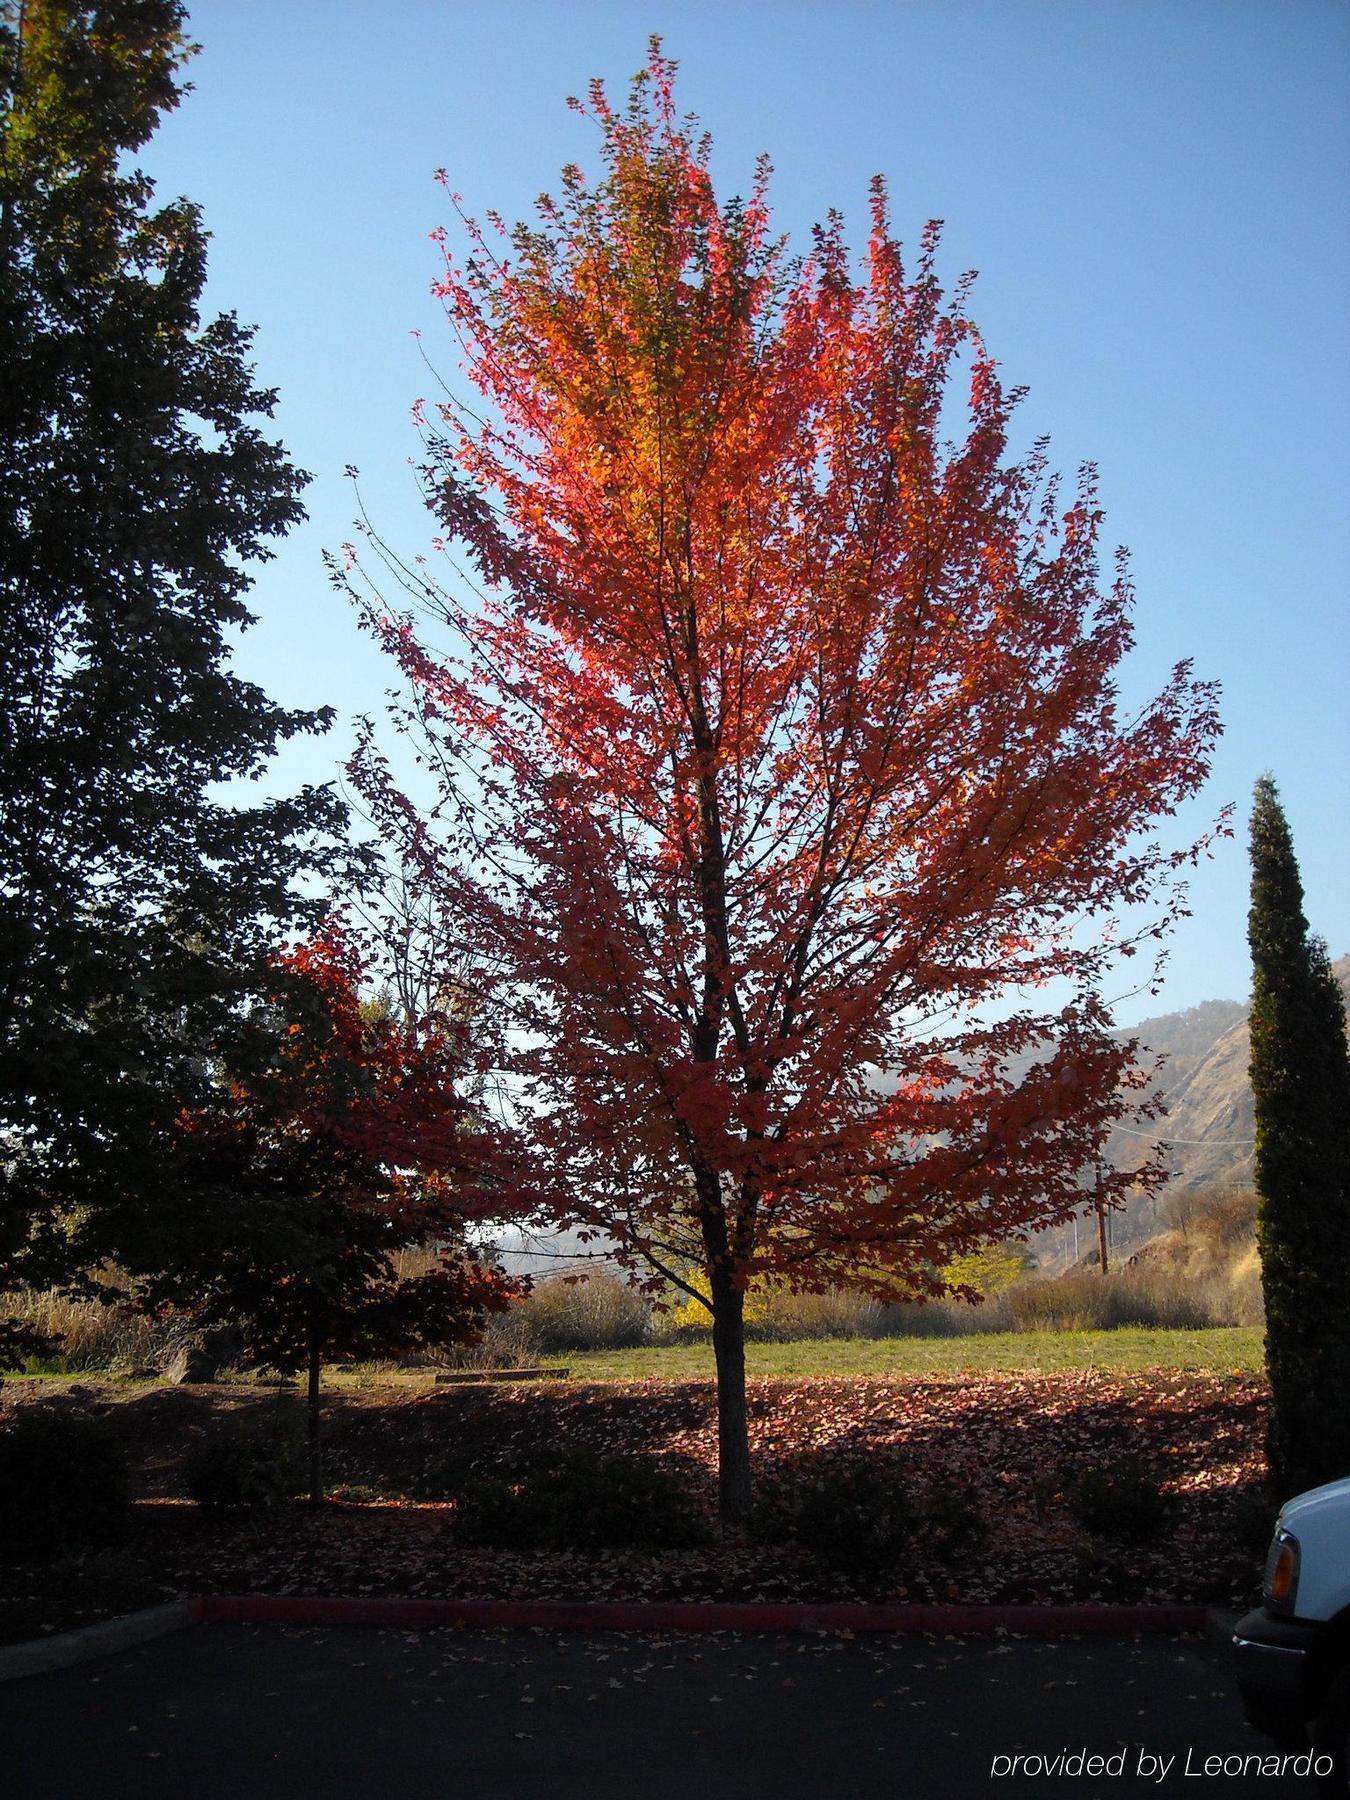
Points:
x=1300 y=1076
x=135 y=485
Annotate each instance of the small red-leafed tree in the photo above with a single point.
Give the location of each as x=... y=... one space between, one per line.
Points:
x=781 y=764
x=296 y=1194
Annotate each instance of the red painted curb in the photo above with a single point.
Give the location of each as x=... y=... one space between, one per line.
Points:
x=675 y=1615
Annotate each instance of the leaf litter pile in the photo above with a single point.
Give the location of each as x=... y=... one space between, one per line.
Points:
x=1001 y=1439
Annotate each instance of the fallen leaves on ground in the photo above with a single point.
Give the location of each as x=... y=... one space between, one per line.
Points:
x=996 y=1434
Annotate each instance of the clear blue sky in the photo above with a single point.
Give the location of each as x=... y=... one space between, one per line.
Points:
x=1154 y=194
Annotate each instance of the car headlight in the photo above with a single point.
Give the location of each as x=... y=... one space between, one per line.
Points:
x=1279 y=1586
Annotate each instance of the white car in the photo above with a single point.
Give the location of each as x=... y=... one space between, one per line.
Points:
x=1293 y=1652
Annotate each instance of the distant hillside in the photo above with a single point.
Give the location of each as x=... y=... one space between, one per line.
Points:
x=1188 y=1037
x=1209 y=1124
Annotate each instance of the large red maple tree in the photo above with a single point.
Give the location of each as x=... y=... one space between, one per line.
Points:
x=787 y=810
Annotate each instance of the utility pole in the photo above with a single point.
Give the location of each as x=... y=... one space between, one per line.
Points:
x=1101 y=1216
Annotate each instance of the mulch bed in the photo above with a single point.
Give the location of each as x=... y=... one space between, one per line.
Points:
x=994 y=1435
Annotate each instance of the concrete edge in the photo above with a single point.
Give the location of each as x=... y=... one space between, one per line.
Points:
x=41 y=1655
x=108 y=1636
x=587 y=1615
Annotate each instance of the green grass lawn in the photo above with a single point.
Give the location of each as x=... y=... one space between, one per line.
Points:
x=1229 y=1348
x=1223 y=1347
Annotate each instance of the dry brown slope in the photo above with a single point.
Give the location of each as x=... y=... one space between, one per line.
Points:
x=1209 y=1126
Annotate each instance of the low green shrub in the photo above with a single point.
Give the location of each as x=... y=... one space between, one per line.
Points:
x=443 y=1475
x=64 y=1481
x=952 y=1523
x=581 y=1501
x=773 y=1516
x=246 y=1465
x=858 y=1517
x=867 y=1518
x=1122 y=1499
x=492 y=1513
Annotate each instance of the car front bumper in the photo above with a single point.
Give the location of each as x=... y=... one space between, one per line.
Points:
x=1273 y=1660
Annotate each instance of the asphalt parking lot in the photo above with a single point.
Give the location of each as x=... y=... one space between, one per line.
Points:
x=261 y=1712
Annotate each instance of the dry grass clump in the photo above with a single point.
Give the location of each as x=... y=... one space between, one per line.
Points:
x=1091 y=1302
x=98 y=1334
x=597 y=1311
x=1204 y=1271
x=600 y=1311
x=783 y=1318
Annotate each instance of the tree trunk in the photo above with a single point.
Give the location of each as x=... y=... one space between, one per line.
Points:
x=733 y=1436
x=312 y=1423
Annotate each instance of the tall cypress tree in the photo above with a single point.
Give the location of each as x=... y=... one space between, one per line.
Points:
x=1300 y=1076
x=135 y=903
